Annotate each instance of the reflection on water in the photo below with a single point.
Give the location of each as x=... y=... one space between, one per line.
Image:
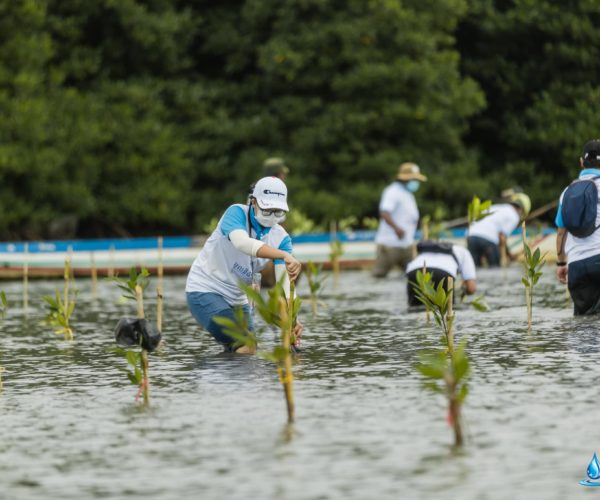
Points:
x=365 y=427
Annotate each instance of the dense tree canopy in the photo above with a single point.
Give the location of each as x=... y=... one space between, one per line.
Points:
x=147 y=116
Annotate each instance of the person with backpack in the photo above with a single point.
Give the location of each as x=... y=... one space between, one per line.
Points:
x=486 y=237
x=442 y=260
x=577 y=237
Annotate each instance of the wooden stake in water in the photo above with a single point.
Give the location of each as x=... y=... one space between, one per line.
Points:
x=66 y=295
x=286 y=375
x=159 y=286
x=335 y=258
x=111 y=262
x=94 y=272
x=25 y=276
x=503 y=253
x=145 y=366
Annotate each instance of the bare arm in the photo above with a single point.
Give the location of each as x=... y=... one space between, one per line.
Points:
x=291 y=264
x=561 y=270
x=470 y=286
x=386 y=216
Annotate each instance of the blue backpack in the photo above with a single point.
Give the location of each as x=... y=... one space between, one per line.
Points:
x=579 y=207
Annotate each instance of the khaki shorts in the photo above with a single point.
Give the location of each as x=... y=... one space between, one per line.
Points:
x=388 y=257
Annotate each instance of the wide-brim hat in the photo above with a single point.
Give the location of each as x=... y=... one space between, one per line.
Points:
x=271 y=192
x=410 y=172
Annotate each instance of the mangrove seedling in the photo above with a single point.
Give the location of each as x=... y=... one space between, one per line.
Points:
x=478 y=209
x=277 y=311
x=447 y=369
x=3 y=304
x=138 y=332
x=60 y=309
x=532 y=264
x=315 y=281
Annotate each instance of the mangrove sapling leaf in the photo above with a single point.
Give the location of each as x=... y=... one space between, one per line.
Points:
x=532 y=264
x=446 y=370
x=479 y=304
x=315 y=282
x=128 y=285
x=58 y=315
x=3 y=304
x=238 y=329
x=478 y=209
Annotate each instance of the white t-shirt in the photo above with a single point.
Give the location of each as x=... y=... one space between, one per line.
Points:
x=504 y=218
x=445 y=262
x=401 y=205
x=582 y=248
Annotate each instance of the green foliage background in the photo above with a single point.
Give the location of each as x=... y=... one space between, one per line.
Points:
x=151 y=116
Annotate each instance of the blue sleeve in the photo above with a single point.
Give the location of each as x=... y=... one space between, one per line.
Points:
x=233 y=218
x=286 y=246
x=559 y=219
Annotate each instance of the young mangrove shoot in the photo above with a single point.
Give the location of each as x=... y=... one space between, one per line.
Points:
x=278 y=311
x=336 y=250
x=447 y=369
x=478 y=209
x=532 y=264
x=315 y=280
x=138 y=332
x=60 y=309
x=3 y=304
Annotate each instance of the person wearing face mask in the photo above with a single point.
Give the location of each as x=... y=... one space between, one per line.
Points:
x=398 y=220
x=246 y=238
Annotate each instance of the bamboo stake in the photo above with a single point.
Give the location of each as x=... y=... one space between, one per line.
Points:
x=159 y=287
x=145 y=368
x=503 y=254
x=335 y=264
x=26 y=276
x=94 y=272
x=111 y=262
x=286 y=375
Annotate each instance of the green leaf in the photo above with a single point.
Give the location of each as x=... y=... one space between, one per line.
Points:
x=462 y=393
x=132 y=358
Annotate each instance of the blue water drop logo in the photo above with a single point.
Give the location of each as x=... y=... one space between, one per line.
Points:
x=593 y=470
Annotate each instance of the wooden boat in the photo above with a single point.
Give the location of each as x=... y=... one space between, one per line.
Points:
x=112 y=256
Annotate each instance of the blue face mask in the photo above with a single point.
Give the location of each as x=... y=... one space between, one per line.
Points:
x=413 y=186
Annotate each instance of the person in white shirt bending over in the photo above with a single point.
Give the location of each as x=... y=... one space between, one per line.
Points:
x=442 y=260
x=486 y=236
x=246 y=238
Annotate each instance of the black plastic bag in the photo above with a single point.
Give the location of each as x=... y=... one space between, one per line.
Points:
x=137 y=332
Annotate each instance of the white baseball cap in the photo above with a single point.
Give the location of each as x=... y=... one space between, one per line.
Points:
x=270 y=192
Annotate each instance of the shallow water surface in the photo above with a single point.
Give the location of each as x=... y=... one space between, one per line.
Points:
x=366 y=428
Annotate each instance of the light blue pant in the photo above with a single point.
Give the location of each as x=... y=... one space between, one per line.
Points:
x=205 y=306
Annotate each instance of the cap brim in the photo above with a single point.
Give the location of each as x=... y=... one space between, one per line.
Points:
x=266 y=204
x=411 y=177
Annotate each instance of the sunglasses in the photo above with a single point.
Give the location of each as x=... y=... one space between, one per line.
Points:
x=272 y=211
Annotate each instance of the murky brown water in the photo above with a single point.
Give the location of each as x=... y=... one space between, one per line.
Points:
x=366 y=429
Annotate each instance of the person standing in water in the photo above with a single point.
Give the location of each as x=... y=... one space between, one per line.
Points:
x=399 y=217
x=246 y=238
x=578 y=234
